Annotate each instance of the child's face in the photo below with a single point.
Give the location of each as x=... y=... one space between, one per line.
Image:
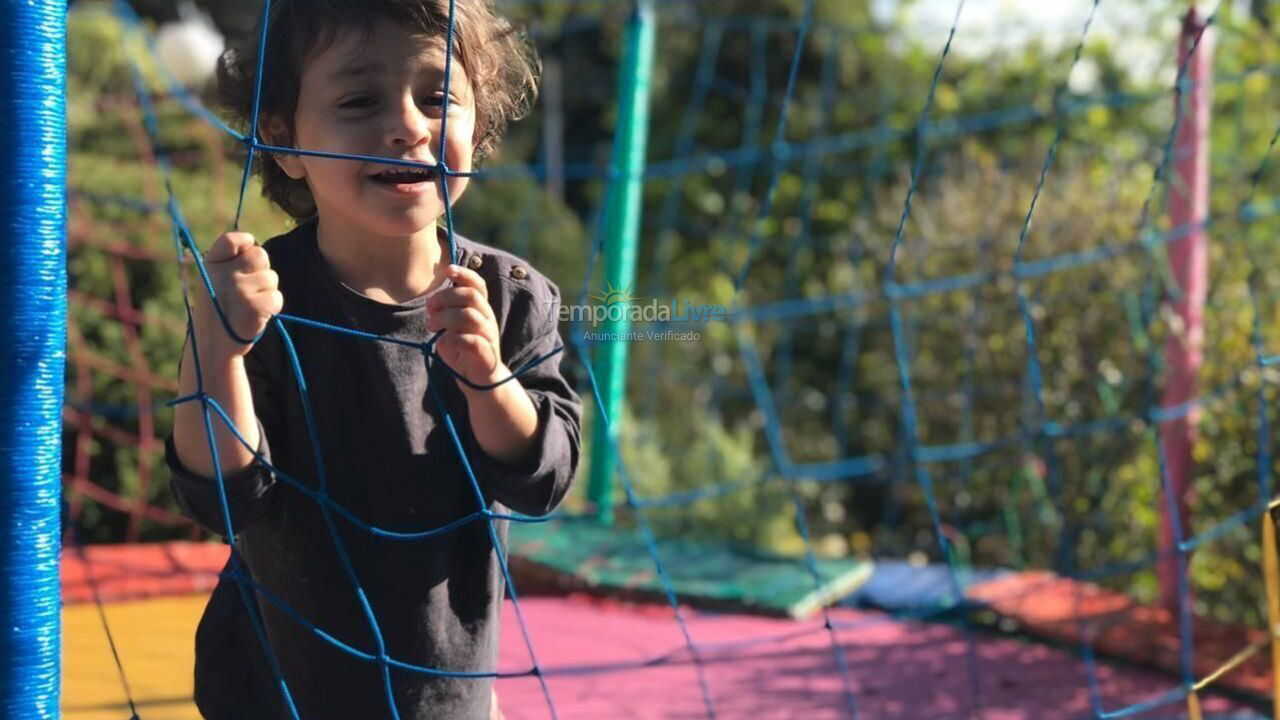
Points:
x=381 y=96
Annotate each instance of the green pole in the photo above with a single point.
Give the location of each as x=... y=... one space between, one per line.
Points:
x=621 y=243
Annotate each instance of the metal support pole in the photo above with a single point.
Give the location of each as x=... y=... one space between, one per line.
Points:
x=621 y=244
x=1189 y=263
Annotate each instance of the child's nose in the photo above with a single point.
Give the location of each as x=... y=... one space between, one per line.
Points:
x=409 y=125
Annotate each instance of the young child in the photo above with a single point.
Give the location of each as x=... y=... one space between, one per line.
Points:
x=368 y=77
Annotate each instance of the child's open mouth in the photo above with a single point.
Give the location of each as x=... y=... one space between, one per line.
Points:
x=404 y=176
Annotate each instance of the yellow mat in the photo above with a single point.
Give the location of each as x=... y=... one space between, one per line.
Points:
x=155 y=639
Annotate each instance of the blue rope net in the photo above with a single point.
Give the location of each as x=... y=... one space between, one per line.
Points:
x=880 y=383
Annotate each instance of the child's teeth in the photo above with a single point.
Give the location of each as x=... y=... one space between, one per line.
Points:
x=407 y=175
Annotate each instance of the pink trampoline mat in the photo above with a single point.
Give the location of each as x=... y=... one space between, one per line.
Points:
x=607 y=660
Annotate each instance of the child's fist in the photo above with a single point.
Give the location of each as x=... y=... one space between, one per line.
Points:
x=471 y=343
x=246 y=288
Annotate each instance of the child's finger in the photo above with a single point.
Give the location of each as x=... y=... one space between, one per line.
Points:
x=469 y=278
x=251 y=260
x=269 y=301
x=227 y=246
x=469 y=349
x=467 y=320
x=253 y=282
x=459 y=297
x=466 y=344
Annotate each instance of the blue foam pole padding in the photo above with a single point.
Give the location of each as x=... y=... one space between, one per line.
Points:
x=33 y=312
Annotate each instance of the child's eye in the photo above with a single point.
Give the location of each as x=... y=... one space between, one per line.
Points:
x=434 y=103
x=358 y=102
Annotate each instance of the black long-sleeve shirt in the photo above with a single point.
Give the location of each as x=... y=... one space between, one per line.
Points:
x=388 y=459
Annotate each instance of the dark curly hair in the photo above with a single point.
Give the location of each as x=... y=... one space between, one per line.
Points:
x=501 y=64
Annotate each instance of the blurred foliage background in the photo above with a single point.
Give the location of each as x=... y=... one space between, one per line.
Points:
x=1080 y=502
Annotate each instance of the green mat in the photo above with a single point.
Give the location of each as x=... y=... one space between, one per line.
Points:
x=577 y=553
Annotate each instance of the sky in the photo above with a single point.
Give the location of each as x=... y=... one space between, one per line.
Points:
x=1146 y=44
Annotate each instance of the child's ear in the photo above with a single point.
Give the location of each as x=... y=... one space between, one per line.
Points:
x=273 y=132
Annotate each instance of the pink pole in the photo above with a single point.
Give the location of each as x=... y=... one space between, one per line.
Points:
x=1189 y=262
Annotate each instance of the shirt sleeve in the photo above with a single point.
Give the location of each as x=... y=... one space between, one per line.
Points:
x=249 y=491
x=537 y=485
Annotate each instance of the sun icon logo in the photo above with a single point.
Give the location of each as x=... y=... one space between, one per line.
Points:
x=613 y=296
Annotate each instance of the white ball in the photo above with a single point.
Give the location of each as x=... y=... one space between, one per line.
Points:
x=190 y=49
